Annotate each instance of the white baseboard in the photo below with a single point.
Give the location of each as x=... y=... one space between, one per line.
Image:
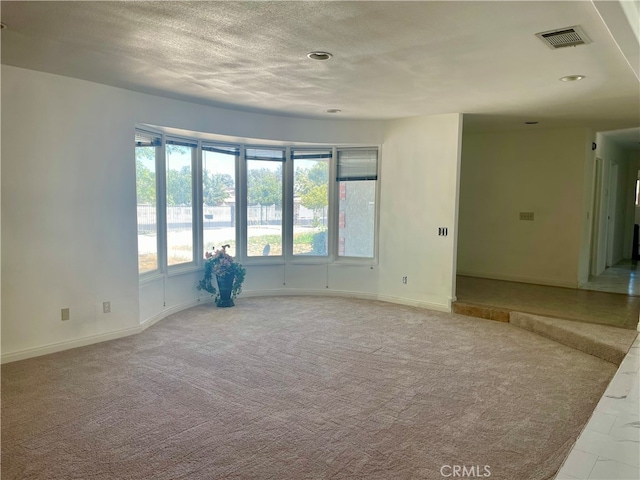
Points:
x=67 y=345
x=520 y=279
x=441 y=307
x=171 y=310
x=103 y=337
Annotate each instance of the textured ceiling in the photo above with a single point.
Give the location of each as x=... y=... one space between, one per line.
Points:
x=391 y=59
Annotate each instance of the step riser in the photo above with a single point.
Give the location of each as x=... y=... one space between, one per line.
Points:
x=573 y=334
x=488 y=313
x=610 y=353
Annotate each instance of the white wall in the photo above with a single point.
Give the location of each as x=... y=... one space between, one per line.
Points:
x=540 y=171
x=420 y=182
x=69 y=223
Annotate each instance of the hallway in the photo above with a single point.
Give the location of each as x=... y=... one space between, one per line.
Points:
x=621 y=278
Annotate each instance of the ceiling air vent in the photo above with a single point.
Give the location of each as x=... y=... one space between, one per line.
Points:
x=564 y=37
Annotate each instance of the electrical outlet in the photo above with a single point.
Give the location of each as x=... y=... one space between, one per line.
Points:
x=526 y=216
x=405 y=280
x=106 y=307
x=66 y=314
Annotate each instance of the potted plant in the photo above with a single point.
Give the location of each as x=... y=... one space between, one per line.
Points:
x=229 y=277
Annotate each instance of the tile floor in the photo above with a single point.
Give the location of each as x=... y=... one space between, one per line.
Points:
x=621 y=278
x=609 y=446
x=603 y=308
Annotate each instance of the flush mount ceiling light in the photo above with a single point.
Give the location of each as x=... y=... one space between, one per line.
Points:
x=319 y=55
x=334 y=110
x=572 y=78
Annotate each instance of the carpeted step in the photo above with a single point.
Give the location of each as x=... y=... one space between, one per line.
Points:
x=488 y=312
x=609 y=343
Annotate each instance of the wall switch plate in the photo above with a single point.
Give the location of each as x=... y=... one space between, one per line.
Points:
x=106 y=307
x=66 y=314
x=526 y=216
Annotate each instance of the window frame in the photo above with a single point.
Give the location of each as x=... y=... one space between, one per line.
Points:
x=312 y=259
x=351 y=260
x=196 y=209
x=244 y=253
x=241 y=204
x=158 y=161
x=238 y=207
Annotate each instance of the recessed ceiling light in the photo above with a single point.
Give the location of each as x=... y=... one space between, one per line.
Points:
x=531 y=123
x=334 y=110
x=319 y=55
x=572 y=78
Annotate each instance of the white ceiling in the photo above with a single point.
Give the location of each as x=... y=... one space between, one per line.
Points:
x=391 y=59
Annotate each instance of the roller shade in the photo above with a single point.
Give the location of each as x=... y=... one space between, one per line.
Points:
x=357 y=164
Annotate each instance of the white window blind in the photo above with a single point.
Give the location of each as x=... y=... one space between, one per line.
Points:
x=264 y=154
x=357 y=164
x=147 y=139
x=228 y=150
x=182 y=143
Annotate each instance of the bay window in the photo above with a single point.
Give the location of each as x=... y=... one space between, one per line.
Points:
x=267 y=203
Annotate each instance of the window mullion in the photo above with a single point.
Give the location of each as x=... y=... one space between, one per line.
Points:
x=161 y=206
x=197 y=202
x=241 y=205
x=332 y=227
x=287 y=206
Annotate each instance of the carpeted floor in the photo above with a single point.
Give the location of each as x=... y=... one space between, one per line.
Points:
x=301 y=388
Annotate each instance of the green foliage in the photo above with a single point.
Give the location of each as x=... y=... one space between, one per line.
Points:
x=312 y=186
x=316 y=197
x=215 y=188
x=264 y=187
x=145 y=183
x=319 y=243
x=179 y=187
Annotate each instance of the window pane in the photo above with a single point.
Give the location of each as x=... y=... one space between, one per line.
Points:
x=356 y=229
x=310 y=202
x=179 y=204
x=264 y=207
x=219 y=199
x=147 y=219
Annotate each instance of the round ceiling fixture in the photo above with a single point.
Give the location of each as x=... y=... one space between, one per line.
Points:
x=572 y=78
x=319 y=55
x=334 y=110
x=531 y=123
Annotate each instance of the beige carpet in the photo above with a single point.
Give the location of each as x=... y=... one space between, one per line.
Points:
x=300 y=388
